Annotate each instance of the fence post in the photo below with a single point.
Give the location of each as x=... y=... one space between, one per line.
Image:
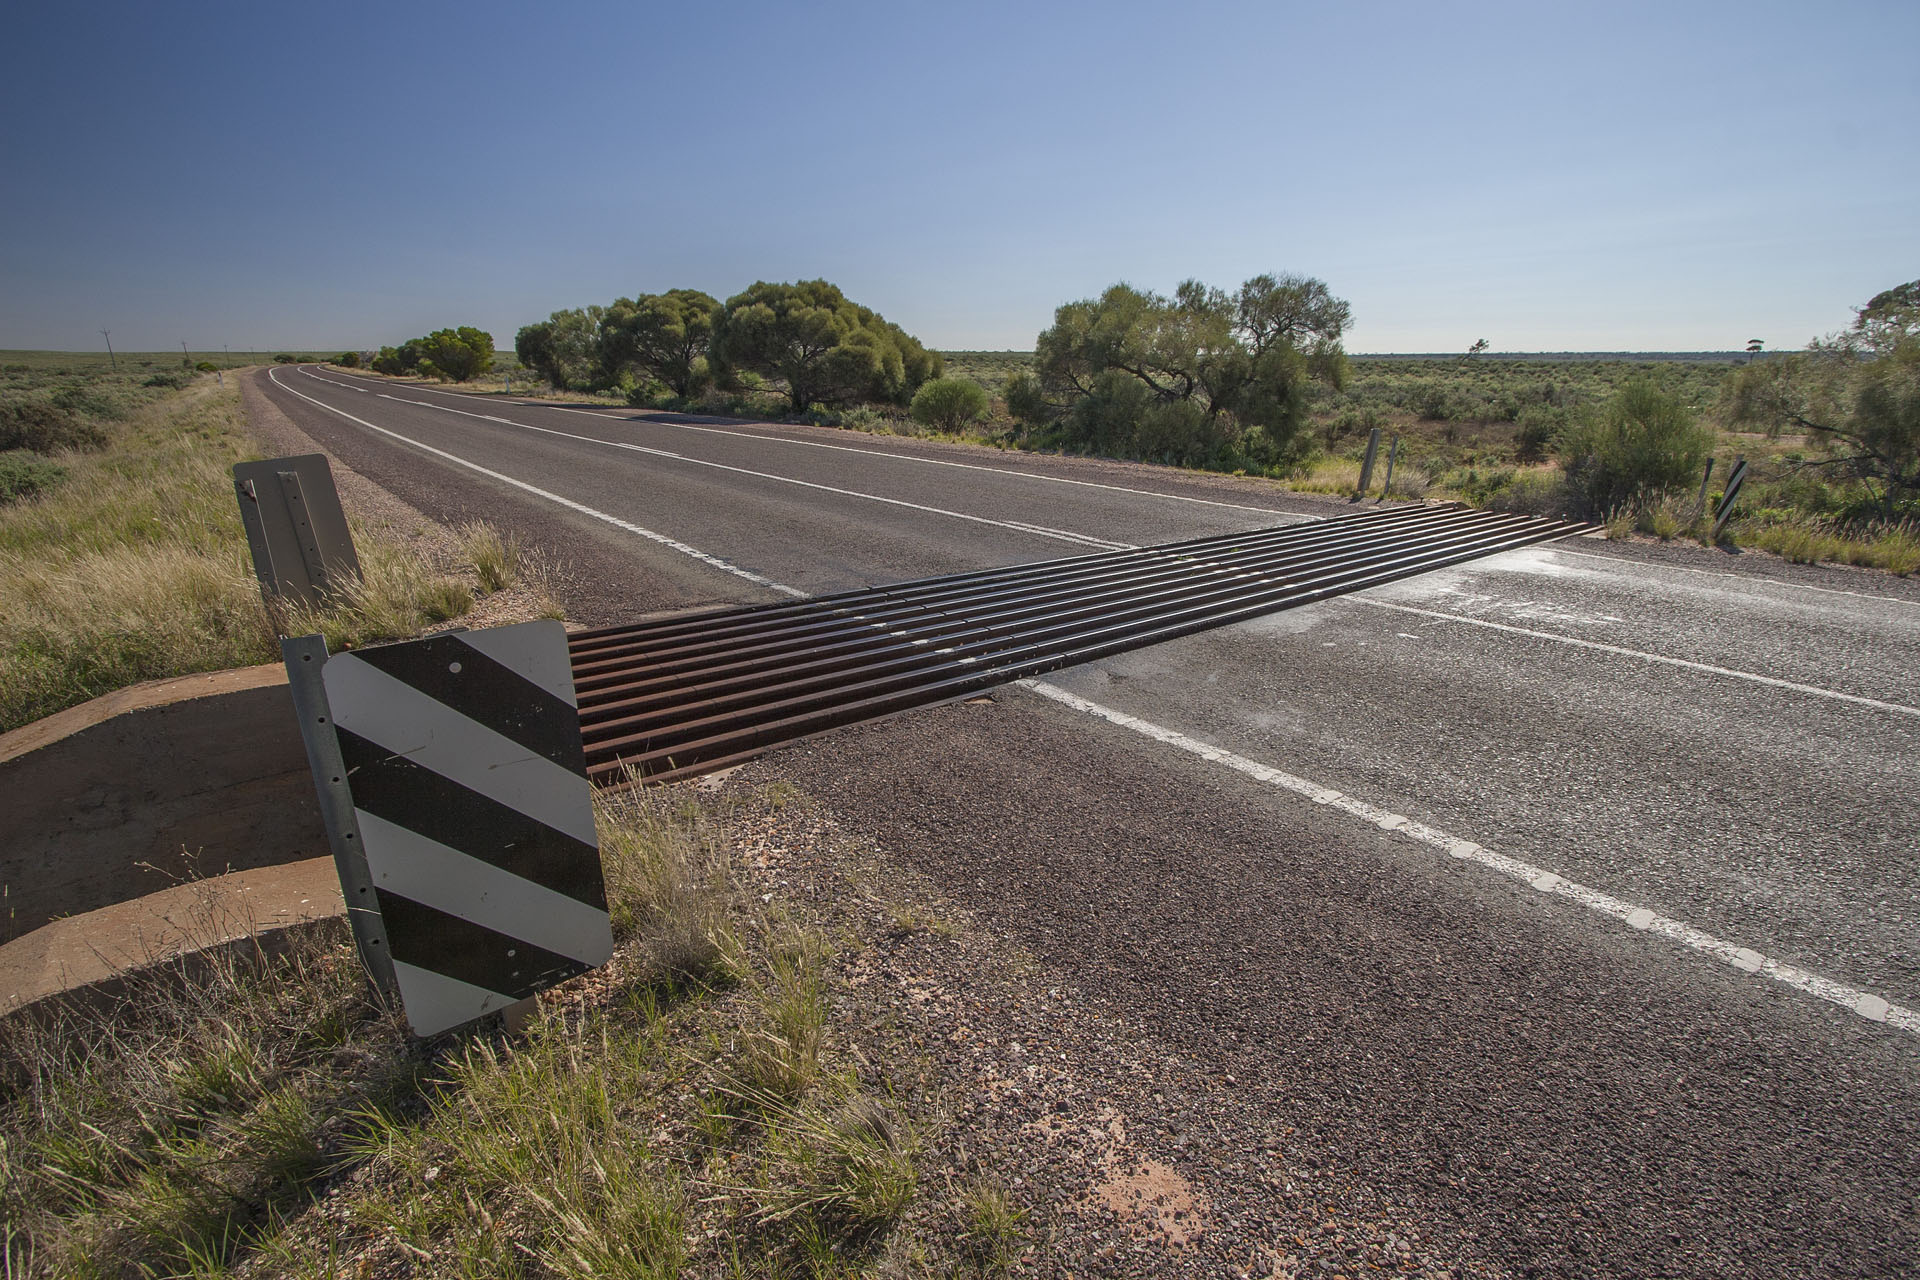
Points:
x=1700 y=503
x=1366 y=467
x=1393 y=451
x=1724 y=511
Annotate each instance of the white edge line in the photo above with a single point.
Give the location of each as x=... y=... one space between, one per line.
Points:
x=1150 y=493
x=1738 y=577
x=877 y=453
x=627 y=525
x=1862 y=1002
x=1899 y=708
x=1060 y=535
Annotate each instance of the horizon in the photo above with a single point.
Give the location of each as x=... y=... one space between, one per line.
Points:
x=1548 y=180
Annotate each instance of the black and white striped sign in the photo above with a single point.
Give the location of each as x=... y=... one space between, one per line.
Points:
x=475 y=817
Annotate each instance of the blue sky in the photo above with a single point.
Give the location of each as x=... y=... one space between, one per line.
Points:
x=1547 y=177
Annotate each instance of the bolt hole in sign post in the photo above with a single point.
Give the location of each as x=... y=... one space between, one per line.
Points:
x=474 y=814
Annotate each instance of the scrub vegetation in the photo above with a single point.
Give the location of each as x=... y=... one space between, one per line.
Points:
x=695 y=1107
x=450 y=355
x=122 y=556
x=1256 y=382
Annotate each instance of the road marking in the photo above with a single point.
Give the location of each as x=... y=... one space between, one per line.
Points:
x=1150 y=493
x=1899 y=708
x=1739 y=577
x=627 y=525
x=1061 y=535
x=1065 y=536
x=897 y=457
x=1862 y=1002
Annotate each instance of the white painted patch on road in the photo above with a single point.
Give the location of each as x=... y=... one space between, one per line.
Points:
x=1774 y=682
x=1864 y=1003
x=625 y=525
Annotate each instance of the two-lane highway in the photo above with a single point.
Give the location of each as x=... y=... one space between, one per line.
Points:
x=1630 y=843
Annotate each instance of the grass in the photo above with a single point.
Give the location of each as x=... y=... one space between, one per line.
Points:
x=270 y=1116
x=131 y=563
x=1890 y=545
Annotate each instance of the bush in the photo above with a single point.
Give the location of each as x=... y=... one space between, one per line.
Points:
x=207 y=366
x=284 y=358
x=1642 y=444
x=45 y=428
x=23 y=474
x=1026 y=400
x=348 y=360
x=949 y=404
x=174 y=381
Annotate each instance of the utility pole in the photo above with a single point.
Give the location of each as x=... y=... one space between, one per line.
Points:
x=185 y=359
x=110 y=356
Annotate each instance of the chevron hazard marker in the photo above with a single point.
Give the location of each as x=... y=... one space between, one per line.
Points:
x=472 y=810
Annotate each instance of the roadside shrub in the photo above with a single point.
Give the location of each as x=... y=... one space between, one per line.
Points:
x=175 y=381
x=1643 y=443
x=348 y=360
x=284 y=358
x=1026 y=400
x=23 y=474
x=1533 y=492
x=1538 y=425
x=45 y=428
x=949 y=403
x=207 y=366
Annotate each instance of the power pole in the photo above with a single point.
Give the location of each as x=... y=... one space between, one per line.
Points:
x=110 y=356
x=184 y=357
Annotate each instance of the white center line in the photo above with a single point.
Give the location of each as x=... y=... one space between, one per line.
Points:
x=1861 y=1002
x=883 y=453
x=1747 y=960
x=1042 y=531
x=626 y=525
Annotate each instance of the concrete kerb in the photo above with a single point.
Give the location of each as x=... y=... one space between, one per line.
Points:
x=167 y=819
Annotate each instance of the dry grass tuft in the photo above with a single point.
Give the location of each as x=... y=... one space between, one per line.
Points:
x=497 y=557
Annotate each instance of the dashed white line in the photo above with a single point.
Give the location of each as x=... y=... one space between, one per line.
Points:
x=1865 y=1003
x=1042 y=531
x=627 y=525
x=1089 y=540
x=1175 y=497
x=1813 y=690
x=902 y=457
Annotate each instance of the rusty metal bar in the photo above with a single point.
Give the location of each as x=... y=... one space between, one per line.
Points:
x=684 y=695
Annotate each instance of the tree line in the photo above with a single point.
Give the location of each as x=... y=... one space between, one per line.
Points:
x=1201 y=377
x=457 y=355
x=821 y=347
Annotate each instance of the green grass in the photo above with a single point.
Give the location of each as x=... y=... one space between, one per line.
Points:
x=270 y=1116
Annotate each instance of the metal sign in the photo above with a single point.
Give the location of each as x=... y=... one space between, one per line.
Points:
x=458 y=767
x=296 y=530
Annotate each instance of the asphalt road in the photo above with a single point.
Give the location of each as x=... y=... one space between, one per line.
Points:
x=1655 y=1021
